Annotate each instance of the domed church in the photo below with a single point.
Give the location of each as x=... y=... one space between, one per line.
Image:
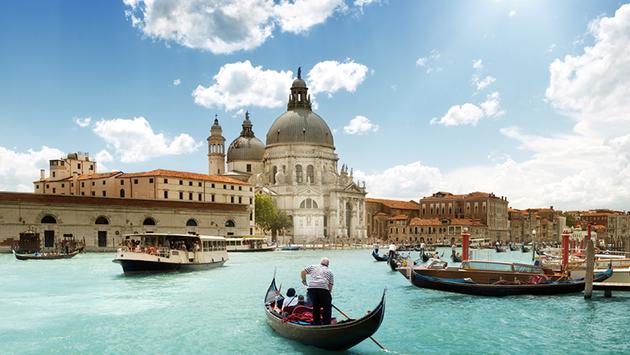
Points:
x=298 y=167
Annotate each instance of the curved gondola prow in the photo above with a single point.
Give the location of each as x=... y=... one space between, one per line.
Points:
x=270 y=296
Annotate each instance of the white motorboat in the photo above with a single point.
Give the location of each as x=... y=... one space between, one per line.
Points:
x=249 y=244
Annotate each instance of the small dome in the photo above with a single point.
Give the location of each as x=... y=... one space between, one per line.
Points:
x=246 y=148
x=300 y=126
x=298 y=83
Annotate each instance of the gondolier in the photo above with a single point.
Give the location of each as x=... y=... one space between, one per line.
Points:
x=320 y=286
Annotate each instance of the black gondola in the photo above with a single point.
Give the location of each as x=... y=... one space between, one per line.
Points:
x=513 y=247
x=499 y=249
x=45 y=256
x=379 y=257
x=393 y=260
x=425 y=256
x=456 y=258
x=525 y=249
x=340 y=336
x=501 y=290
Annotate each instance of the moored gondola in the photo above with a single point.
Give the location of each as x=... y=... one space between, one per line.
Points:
x=469 y=287
x=456 y=257
x=378 y=257
x=340 y=336
x=45 y=256
x=525 y=249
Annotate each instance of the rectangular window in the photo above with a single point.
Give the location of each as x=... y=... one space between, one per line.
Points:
x=93 y=193
x=240 y=200
x=102 y=239
x=165 y=194
x=190 y=196
x=82 y=193
x=63 y=185
x=53 y=174
x=78 y=166
x=135 y=181
x=150 y=180
x=181 y=195
x=213 y=186
x=240 y=188
x=166 y=181
x=224 y=187
x=248 y=168
x=250 y=200
x=82 y=184
x=122 y=182
x=232 y=187
x=212 y=198
x=104 y=193
x=232 y=199
x=181 y=182
x=103 y=182
x=93 y=183
x=37 y=186
x=54 y=190
x=199 y=184
x=91 y=167
x=199 y=197
x=189 y=183
x=49 y=239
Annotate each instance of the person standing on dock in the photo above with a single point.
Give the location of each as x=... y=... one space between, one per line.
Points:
x=319 y=287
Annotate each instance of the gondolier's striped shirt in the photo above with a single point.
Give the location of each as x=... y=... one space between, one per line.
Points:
x=320 y=276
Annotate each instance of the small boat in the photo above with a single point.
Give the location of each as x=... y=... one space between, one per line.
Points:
x=424 y=256
x=501 y=289
x=290 y=247
x=45 y=256
x=378 y=257
x=455 y=257
x=513 y=247
x=499 y=249
x=340 y=336
x=394 y=260
x=248 y=244
x=153 y=252
x=525 y=249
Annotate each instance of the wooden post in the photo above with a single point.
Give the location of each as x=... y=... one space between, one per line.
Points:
x=565 y=249
x=465 y=244
x=590 y=266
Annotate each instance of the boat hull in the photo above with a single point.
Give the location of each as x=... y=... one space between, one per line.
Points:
x=45 y=257
x=251 y=250
x=144 y=266
x=501 y=290
x=340 y=336
x=379 y=257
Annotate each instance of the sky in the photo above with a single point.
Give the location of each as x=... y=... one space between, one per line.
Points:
x=526 y=99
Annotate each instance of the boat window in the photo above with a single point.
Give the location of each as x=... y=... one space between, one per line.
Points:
x=527 y=268
x=476 y=265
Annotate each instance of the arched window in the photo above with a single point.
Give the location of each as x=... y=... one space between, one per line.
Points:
x=299 y=174
x=308 y=203
x=122 y=193
x=310 y=174
x=148 y=222
x=230 y=223
x=49 y=219
x=191 y=223
x=101 y=220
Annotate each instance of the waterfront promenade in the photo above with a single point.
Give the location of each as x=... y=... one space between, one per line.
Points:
x=85 y=305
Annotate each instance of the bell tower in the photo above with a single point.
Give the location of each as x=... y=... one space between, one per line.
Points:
x=216 y=149
x=299 y=97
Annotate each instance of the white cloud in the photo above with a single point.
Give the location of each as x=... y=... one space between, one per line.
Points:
x=177 y=82
x=477 y=64
x=512 y=13
x=402 y=181
x=82 y=122
x=331 y=76
x=133 y=140
x=428 y=62
x=471 y=114
x=300 y=15
x=481 y=84
x=360 y=125
x=18 y=170
x=241 y=84
x=362 y=3
x=104 y=156
x=588 y=167
x=226 y=26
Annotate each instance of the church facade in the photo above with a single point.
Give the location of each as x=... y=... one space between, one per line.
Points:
x=298 y=167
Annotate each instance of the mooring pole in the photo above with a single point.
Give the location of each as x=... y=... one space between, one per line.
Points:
x=465 y=243
x=590 y=268
x=565 y=249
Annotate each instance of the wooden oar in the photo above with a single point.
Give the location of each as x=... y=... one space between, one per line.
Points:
x=371 y=338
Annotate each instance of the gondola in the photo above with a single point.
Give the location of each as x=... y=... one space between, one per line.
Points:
x=425 y=257
x=513 y=247
x=340 y=336
x=45 y=256
x=499 y=249
x=456 y=258
x=500 y=290
x=393 y=260
x=379 y=257
x=525 y=249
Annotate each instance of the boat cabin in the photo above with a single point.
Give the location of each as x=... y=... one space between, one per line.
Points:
x=499 y=266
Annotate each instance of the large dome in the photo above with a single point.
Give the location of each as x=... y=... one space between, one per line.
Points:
x=246 y=146
x=299 y=125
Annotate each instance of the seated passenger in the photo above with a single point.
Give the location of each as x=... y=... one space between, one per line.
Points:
x=300 y=301
x=289 y=302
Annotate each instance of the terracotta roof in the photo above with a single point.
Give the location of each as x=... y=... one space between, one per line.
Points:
x=452 y=222
x=399 y=217
x=49 y=200
x=97 y=175
x=425 y=222
x=397 y=204
x=185 y=175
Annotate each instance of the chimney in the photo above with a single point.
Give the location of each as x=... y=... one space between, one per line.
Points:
x=42 y=174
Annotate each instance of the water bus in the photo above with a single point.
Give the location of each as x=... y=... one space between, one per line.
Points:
x=248 y=244
x=164 y=252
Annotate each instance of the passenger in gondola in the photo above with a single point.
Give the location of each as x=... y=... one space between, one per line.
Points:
x=320 y=286
x=301 y=301
x=289 y=302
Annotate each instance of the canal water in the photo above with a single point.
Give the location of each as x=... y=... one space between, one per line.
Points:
x=86 y=306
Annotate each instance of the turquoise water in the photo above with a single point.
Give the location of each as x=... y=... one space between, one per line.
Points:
x=85 y=305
